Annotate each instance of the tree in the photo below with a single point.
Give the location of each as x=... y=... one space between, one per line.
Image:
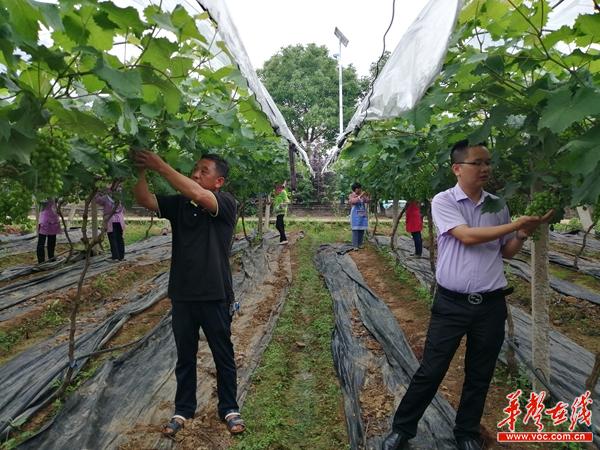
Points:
x=303 y=81
x=374 y=70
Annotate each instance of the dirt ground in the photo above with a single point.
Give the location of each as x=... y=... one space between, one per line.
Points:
x=376 y=401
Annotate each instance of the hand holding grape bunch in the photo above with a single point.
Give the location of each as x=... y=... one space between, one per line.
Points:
x=544 y=206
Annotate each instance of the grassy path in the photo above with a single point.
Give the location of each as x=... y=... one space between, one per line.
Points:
x=295 y=401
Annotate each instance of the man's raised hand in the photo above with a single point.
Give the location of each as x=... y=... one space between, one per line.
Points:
x=144 y=159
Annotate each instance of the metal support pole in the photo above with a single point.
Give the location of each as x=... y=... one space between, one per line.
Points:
x=342 y=40
x=341 y=91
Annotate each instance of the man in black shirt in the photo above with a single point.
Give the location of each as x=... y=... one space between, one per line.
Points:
x=200 y=286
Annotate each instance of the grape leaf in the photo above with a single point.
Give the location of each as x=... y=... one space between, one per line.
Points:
x=492 y=205
x=563 y=108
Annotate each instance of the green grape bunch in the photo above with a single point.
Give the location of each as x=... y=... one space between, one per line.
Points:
x=50 y=159
x=542 y=202
x=517 y=173
x=517 y=205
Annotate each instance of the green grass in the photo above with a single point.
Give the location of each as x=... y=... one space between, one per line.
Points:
x=295 y=401
x=405 y=277
x=18 y=260
x=136 y=231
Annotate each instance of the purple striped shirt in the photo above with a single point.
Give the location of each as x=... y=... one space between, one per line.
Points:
x=472 y=268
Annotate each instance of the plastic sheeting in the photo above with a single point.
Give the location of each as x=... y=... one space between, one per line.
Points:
x=585 y=266
x=116 y=406
x=29 y=380
x=353 y=360
x=564 y=287
x=145 y=252
x=571 y=364
x=418 y=59
x=228 y=33
x=411 y=68
x=576 y=240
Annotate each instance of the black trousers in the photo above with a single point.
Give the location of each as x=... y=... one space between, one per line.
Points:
x=418 y=240
x=357 y=238
x=280 y=227
x=116 y=242
x=215 y=320
x=41 y=257
x=451 y=319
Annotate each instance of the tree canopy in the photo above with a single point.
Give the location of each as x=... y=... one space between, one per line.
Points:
x=530 y=91
x=84 y=82
x=303 y=81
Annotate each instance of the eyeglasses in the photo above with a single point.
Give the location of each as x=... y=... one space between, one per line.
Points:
x=478 y=163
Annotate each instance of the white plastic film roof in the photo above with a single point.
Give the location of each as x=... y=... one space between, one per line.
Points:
x=227 y=32
x=412 y=67
x=418 y=58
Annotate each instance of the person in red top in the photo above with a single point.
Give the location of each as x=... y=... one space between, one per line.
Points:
x=414 y=225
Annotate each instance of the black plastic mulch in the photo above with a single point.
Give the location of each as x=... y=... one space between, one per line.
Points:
x=523 y=270
x=145 y=252
x=575 y=240
x=29 y=380
x=116 y=405
x=584 y=265
x=354 y=361
x=570 y=364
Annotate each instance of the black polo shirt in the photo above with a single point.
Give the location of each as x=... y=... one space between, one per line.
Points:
x=200 y=269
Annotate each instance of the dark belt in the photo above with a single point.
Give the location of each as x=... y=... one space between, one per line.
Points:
x=475 y=298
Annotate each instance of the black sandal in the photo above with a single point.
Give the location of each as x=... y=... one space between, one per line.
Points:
x=235 y=423
x=173 y=427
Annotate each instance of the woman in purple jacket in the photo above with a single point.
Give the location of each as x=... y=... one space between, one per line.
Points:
x=48 y=227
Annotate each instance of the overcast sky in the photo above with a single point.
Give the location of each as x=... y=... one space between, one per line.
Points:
x=265 y=26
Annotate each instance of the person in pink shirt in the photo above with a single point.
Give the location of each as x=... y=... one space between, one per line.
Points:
x=114 y=217
x=48 y=228
x=414 y=225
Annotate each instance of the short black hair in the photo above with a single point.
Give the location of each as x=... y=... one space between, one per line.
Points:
x=356 y=185
x=220 y=164
x=459 y=151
